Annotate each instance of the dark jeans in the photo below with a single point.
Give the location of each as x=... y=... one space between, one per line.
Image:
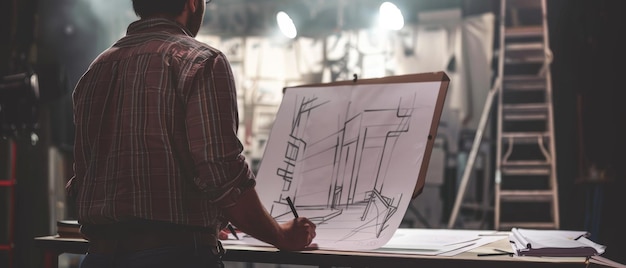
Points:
x=169 y=256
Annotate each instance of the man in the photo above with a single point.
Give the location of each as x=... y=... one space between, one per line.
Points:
x=158 y=167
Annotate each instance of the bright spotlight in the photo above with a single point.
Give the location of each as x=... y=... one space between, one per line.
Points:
x=286 y=25
x=390 y=17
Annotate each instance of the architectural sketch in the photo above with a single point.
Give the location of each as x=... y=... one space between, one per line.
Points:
x=349 y=159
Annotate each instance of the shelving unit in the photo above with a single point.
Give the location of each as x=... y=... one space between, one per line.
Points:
x=8 y=182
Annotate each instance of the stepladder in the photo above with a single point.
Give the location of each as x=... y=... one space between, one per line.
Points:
x=525 y=183
x=526 y=188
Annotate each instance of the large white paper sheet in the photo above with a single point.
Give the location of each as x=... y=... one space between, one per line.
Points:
x=349 y=157
x=431 y=242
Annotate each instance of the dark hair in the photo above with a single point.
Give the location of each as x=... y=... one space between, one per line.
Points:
x=147 y=8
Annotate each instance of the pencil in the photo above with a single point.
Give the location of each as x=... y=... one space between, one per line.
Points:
x=494 y=254
x=293 y=208
x=232 y=231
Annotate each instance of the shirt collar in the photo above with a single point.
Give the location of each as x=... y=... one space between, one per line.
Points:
x=157 y=25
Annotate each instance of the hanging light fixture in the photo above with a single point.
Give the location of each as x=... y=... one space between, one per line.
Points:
x=390 y=17
x=286 y=25
x=307 y=19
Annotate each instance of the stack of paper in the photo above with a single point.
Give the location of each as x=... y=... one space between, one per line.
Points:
x=69 y=229
x=553 y=243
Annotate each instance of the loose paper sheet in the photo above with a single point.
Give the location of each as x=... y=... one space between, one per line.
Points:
x=349 y=157
x=442 y=242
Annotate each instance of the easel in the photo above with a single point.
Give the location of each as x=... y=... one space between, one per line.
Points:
x=346 y=151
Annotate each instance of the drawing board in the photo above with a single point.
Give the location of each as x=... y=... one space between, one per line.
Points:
x=351 y=155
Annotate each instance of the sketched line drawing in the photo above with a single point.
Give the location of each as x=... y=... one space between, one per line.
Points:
x=349 y=165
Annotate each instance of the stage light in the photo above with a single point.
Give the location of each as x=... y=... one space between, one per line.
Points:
x=286 y=25
x=19 y=104
x=306 y=19
x=390 y=17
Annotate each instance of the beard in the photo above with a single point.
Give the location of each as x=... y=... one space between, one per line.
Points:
x=194 y=21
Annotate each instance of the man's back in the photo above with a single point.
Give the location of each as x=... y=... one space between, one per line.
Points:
x=131 y=115
x=158 y=166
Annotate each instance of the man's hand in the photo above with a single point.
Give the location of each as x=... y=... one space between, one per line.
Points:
x=297 y=234
x=223 y=235
x=249 y=215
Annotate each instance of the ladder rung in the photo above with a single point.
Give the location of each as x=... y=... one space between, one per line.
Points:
x=525 y=53
x=526 y=171
x=524 y=86
x=524 y=136
x=523 y=79
x=523 y=83
x=535 y=225
x=526 y=4
x=525 y=109
x=521 y=56
x=526 y=163
x=525 y=117
x=524 y=46
x=526 y=195
x=524 y=31
x=525 y=59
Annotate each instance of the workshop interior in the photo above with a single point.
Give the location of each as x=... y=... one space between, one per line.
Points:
x=532 y=133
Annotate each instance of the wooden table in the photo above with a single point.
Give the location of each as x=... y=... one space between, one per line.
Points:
x=53 y=246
